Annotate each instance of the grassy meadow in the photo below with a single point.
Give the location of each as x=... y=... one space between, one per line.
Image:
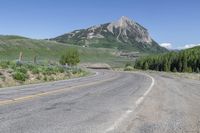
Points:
x=50 y=51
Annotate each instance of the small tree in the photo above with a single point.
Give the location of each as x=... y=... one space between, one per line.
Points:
x=128 y=64
x=146 y=66
x=189 y=69
x=197 y=70
x=71 y=57
x=174 y=70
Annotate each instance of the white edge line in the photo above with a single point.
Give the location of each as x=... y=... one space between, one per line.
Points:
x=141 y=99
x=137 y=103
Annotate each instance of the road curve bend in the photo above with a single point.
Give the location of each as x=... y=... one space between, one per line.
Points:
x=94 y=104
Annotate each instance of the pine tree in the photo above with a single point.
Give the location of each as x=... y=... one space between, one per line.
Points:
x=184 y=61
x=146 y=66
x=174 y=70
x=197 y=71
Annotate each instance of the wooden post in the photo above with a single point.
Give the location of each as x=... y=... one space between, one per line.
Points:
x=35 y=59
x=20 y=56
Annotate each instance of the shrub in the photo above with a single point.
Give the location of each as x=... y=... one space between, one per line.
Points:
x=35 y=71
x=51 y=78
x=38 y=77
x=30 y=67
x=61 y=69
x=4 y=64
x=20 y=76
x=47 y=71
x=2 y=76
x=45 y=78
x=76 y=70
x=21 y=70
x=71 y=57
x=128 y=68
x=13 y=66
x=128 y=64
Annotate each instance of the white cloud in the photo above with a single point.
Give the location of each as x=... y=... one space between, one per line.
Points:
x=170 y=47
x=166 y=45
x=190 y=46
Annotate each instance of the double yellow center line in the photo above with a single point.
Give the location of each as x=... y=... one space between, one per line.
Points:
x=33 y=96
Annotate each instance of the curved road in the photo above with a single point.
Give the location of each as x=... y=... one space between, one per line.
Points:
x=108 y=102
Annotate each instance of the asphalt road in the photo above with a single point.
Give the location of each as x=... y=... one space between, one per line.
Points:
x=108 y=102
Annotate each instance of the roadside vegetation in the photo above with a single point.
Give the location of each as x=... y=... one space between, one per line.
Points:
x=128 y=67
x=12 y=73
x=70 y=57
x=183 y=61
x=19 y=72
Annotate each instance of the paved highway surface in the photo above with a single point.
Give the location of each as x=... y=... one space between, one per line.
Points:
x=108 y=102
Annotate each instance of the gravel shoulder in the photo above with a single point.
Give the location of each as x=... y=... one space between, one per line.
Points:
x=173 y=106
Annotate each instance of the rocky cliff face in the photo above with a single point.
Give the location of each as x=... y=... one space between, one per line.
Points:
x=127 y=28
x=123 y=34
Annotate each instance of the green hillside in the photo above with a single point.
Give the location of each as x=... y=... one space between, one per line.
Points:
x=11 y=46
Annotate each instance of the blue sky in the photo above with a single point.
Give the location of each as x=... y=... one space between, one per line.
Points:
x=169 y=21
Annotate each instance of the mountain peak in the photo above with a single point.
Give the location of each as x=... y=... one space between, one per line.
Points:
x=125 y=28
x=123 y=22
x=123 y=33
x=125 y=19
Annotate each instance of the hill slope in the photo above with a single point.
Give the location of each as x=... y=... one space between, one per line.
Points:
x=11 y=46
x=124 y=34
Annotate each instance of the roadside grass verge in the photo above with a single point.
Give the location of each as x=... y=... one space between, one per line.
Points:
x=12 y=73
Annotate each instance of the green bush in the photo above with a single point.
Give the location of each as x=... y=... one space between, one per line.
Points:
x=128 y=68
x=71 y=57
x=61 y=69
x=2 y=77
x=48 y=71
x=38 y=77
x=45 y=78
x=128 y=64
x=76 y=70
x=20 y=76
x=44 y=72
x=21 y=70
x=30 y=66
x=35 y=70
x=51 y=78
x=4 y=64
x=13 y=66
